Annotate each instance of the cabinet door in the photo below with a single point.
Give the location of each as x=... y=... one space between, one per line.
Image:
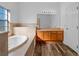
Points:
x=60 y=36
x=46 y=35
x=53 y=36
x=3 y=44
x=40 y=35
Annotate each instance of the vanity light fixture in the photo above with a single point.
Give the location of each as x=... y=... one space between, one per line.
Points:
x=48 y=12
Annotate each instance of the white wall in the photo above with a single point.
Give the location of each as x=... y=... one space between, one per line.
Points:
x=69 y=21
x=13 y=7
x=28 y=11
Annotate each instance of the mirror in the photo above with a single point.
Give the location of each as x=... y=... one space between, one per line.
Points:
x=46 y=20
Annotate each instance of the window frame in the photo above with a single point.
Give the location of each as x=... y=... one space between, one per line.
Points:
x=5 y=20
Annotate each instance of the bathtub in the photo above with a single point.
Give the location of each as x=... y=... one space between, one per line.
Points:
x=24 y=47
x=15 y=45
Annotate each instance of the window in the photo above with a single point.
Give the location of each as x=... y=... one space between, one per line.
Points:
x=3 y=19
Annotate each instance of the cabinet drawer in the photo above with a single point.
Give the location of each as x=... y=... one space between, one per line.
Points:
x=60 y=36
x=46 y=35
x=53 y=36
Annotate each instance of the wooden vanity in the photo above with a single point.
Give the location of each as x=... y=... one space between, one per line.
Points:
x=53 y=34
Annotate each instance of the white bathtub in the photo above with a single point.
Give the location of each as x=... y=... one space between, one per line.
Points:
x=30 y=32
x=14 y=42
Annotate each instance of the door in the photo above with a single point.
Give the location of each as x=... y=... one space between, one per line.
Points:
x=78 y=27
x=70 y=17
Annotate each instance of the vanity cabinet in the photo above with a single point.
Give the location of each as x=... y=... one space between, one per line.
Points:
x=53 y=35
x=50 y=34
x=60 y=35
x=40 y=35
x=46 y=35
x=4 y=44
